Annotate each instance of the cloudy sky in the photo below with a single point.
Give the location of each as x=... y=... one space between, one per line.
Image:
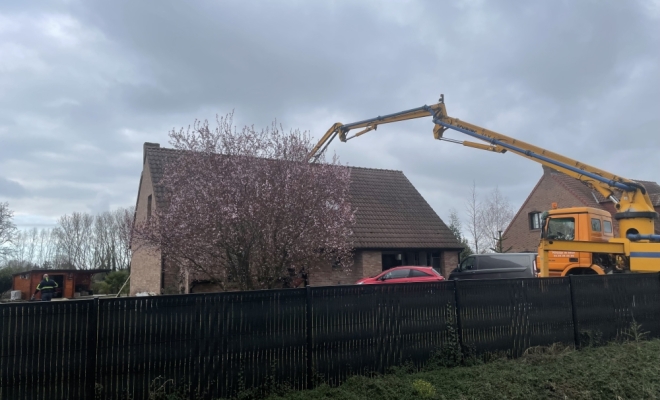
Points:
x=83 y=84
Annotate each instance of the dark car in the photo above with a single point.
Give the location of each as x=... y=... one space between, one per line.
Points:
x=496 y=266
x=403 y=275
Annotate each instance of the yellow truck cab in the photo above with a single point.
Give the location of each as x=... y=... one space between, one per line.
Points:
x=583 y=224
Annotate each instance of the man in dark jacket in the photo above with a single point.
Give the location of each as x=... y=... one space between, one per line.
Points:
x=47 y=287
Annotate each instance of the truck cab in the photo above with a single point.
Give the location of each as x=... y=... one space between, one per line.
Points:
x=578 y=224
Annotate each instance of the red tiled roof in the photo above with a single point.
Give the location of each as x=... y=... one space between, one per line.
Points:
x=390 y=212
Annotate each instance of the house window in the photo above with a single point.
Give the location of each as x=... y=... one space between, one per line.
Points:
x=534 y=220
x=149 y=208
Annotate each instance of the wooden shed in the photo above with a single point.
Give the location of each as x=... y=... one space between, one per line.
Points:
x=72 y=283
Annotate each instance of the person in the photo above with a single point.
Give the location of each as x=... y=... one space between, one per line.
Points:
x=47 y=287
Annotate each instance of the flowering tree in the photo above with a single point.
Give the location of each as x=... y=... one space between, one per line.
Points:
x=245 y=206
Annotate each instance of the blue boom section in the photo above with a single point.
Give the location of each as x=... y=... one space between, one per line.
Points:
x=529 y=153
x=382 y=117
x=636 y=236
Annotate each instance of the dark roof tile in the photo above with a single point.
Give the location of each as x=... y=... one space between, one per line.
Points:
x=390 y=212
x=590 y=197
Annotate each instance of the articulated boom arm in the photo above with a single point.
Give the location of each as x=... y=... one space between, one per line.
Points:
x=634 y=199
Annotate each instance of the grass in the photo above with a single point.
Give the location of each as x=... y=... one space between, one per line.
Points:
x=616 y=371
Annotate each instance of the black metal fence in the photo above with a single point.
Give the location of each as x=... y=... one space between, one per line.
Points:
x=220 y=343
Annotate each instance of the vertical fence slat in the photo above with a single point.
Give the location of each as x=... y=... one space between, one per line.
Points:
x=92 y=325
x=576 y=328
x=219 y=343
x=308 y=337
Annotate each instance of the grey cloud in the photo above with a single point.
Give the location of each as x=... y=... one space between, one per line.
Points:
x=77 y=103
x=11 y=189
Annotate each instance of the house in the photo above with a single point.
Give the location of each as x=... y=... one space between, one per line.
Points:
x=524 y=231
x=72 y=283
x=394 y=226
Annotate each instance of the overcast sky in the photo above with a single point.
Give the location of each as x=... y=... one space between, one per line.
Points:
x=83 y=84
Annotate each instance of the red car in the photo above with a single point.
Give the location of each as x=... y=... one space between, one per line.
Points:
x=403 y=275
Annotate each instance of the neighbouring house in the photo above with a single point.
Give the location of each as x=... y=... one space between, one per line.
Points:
x=394 y=226
x=524 y=231
x=72 y=283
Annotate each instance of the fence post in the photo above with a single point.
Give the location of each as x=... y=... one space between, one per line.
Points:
x=308 y=320
x=92 y=326
x=459 y=322
x=576 y=331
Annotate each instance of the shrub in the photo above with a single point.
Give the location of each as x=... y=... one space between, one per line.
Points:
x=424 y=389
x=112 y=283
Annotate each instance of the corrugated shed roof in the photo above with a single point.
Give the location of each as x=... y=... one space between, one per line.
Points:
x=390 y=212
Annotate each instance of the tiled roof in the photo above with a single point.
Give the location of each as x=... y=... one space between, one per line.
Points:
x=591 y=198
x=390 y=212
x=653 y=189
x=158 y=157
x=576 y=187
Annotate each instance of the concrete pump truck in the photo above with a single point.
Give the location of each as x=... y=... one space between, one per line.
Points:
x=578 y=240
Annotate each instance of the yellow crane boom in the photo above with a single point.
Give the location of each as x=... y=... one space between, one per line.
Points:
x=634 y=206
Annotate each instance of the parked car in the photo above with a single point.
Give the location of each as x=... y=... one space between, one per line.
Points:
x=403 y=275
x=497 y=266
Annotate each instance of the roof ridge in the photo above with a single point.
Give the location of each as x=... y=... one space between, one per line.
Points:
x=376 y=169
x=169 y=149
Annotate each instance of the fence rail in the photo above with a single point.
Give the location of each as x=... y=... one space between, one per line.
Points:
x=219 y=343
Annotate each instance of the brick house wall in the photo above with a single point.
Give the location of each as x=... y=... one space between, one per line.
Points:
x=547 y=191
x=326 y=275
x=366 y=263
x=145 y=262
x=449 y=262
x=372 y=262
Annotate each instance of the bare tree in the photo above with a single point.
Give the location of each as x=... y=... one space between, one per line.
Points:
x=22 y=247
x=123 y=220
x=81 y=240
x=496 y=214
x=111 y=241
x=74 y=239
x=245 y=205
x=47 y=246
x=7 y=230
x=102 y=241
x=474 y=223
